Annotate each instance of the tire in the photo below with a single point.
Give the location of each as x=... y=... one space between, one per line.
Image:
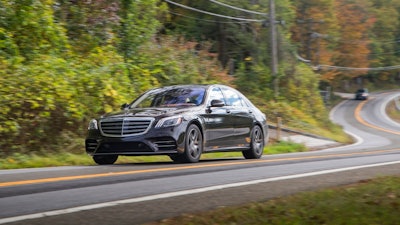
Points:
x=193 y=145
x=105 y=159
x=177 y=158
x=257 y=144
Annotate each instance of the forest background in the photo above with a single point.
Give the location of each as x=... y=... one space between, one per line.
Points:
x=67 y=61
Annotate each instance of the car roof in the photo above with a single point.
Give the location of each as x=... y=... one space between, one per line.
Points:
x=192 y=86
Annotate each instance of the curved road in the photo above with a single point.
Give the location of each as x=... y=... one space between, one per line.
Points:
x=144 y=192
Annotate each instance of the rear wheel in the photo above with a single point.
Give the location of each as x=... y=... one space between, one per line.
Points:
x=257 y=144
x=105 y=159
x=193 y=146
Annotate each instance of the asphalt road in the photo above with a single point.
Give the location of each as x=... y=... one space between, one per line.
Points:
x=144 y=192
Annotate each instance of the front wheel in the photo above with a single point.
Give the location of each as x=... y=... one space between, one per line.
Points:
x=193 y=146
x=257 y=144
x=105 y=159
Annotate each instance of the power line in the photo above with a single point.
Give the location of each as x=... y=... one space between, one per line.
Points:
x=371 y=54
x=353 y=42
x=205 y=20
x=343 y=68
x=366 y=41
x=237 y=8
x=339 y=40
x=213 y=14
x=301 y=58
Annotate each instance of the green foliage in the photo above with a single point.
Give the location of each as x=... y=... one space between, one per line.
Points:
x=88 y=24
x=301 y=90
x=102 y=82
x=17 y=160
x=138 y=25
x=8 y=48
x=173 y=60
x=51 y=96
x=30 y=24
x=255 y=81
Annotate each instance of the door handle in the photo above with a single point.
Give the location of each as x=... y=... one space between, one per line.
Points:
x=228 y=111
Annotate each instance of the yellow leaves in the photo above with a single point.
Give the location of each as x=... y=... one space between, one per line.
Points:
x=33 y=104
x=110 y=92
x=9 y=127
x=108 y=108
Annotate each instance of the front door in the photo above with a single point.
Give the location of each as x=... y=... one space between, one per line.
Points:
x=219 y=124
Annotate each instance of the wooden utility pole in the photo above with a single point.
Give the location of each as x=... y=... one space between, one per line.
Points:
x=274 y=47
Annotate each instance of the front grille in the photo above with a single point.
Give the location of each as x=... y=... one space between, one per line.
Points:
x=123 y=127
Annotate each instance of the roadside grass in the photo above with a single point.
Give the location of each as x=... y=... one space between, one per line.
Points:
x=369 y=202
x=393 y=112
x=17 y=161
x=280 y=147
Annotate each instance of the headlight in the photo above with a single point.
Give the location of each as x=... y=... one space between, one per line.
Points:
x=93 y=125
x=169 y=121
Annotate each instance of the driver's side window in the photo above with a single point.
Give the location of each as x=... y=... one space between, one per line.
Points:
x=216 y=94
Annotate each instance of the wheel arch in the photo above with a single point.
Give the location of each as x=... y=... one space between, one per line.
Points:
x=264 y=129
x=199 y=125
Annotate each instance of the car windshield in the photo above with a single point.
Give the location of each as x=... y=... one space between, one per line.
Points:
x=175 y=97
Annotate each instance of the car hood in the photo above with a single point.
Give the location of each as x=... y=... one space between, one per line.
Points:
x=146 y=112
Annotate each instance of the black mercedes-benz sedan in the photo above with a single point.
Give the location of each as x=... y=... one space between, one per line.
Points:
x=182 y=122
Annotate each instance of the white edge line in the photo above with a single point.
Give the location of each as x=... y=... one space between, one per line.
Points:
x=180 y=193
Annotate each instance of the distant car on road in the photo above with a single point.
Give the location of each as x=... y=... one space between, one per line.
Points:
x=182 y=122
x=361 y=94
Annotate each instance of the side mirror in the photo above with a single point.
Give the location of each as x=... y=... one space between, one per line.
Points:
x=124 y=106
x=217 y=103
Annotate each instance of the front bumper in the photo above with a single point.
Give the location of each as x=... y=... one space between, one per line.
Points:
x=163 y=141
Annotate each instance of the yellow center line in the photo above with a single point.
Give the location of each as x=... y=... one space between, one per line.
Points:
x=357 y=114
x=110 y=174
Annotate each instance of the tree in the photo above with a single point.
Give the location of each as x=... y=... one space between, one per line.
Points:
x=385 y=45
x=353 y=43
x=138 y=24
x=315 y=26
x=30 y=25
x=89 y=24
